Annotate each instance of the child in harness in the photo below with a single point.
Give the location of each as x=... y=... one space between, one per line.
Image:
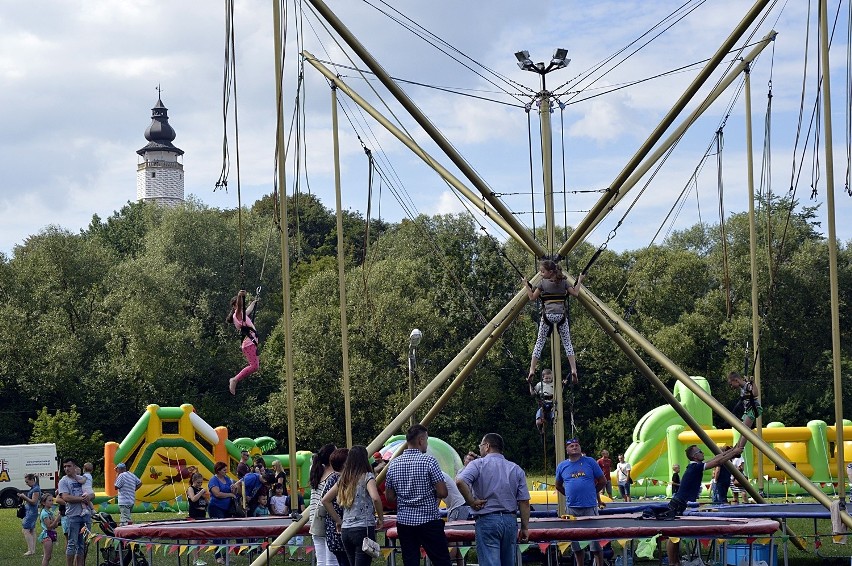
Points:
x=543 y=394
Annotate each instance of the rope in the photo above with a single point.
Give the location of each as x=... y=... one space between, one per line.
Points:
x=229 y=86
x=528 y=107
x=564 y=187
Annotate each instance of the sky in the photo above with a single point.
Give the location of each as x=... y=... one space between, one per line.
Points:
x=79 y=81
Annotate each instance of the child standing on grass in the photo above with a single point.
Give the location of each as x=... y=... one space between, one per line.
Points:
x=48 y=519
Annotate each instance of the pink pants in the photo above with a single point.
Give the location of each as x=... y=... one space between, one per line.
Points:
x=250 y=353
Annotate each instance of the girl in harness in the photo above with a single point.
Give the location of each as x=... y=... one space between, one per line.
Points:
x=748 y=399
x=241 y=317
x=553 y=289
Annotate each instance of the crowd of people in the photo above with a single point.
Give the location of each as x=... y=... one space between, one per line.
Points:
x=348 y=505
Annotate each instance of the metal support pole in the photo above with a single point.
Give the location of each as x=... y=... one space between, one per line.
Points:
x=287 y=318
x=475 y=199
x=752 y=233
x=341 y=271
x=591 y=302
x=425 y=123
x=832 y=248
x=640 y=165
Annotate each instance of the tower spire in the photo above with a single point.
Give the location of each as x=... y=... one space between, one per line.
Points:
x=159 y=174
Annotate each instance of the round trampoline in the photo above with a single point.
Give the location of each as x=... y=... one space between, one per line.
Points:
x=252 y=527
x=764 y=510
x=247 y=528
x=622 y=527
x=612 y=508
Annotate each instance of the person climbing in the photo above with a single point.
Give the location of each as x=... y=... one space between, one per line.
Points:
x=543 y=394
x=748 y=401
x=241 y=317
x=553 y=289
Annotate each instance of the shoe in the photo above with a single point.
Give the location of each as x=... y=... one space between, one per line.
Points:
x=220 y=560
x=200 y=562
x=232 y=386
x=29 y=553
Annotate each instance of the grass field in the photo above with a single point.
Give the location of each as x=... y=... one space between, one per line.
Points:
x=12 y=546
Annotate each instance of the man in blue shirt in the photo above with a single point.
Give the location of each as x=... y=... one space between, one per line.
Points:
x=501 y=491
x=415 y=481
x=580 y=479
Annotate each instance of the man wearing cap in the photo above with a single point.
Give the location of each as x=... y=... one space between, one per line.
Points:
x=243 y=467
x=580 y=479
x=501 y=491
x=415 y=481
x=126 y=483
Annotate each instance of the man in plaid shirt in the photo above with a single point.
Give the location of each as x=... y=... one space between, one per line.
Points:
x=415 y=481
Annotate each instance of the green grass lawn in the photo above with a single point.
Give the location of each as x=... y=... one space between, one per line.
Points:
x=12 y=546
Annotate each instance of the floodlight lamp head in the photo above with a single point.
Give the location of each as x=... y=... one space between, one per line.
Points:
x=560 y=58
x=415 y=337
x=524 y=61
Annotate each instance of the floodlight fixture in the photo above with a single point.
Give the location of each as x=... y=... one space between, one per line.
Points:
x=524 y=61
x=415 y=337
x=560 y=59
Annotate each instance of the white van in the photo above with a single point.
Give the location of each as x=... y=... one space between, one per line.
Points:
x=20 y=459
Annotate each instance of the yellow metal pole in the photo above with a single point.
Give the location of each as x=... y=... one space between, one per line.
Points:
x=619 y=189
x=285 y=248
x=341 y=270
x=832 y=246
x=590 y=302
x=475 y=199
x=418 y=115
x=752 y=233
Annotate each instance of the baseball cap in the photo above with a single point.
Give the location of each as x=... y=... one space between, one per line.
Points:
x=121 y=466
x=572 y=441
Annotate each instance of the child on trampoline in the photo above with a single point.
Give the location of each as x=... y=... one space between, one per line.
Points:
x=690 y=487
x=241 y=317
x=748 y=400
x=553 y=289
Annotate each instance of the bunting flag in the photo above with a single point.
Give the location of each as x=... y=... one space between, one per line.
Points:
x=563 y=547
x=146 y=506
x=184 y=549
x=292 y=550
x=523 y=548
x=750 y=540
x=623 y=542
x=653 y=481
x=543 y=546
x=766 y=540
x=386 y=552
x=674 y=539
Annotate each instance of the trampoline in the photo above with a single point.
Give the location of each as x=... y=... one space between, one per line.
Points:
x=612 y=508
x=780 y=511
x=621 y=527
x=247 y=528
x=764 y=510
x=251 y=527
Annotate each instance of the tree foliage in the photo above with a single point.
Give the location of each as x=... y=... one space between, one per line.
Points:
x=131 y=312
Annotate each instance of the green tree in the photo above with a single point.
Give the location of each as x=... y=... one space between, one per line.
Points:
x=63 y=428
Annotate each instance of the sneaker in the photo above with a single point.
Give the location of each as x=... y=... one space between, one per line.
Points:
x=200 y=562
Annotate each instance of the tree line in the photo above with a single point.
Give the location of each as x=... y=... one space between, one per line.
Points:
x=96 y=325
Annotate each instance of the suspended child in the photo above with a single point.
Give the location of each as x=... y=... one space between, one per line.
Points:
x=553 y=289
x=241 y=316
x=749 y=402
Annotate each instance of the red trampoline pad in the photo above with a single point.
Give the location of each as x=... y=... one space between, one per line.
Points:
x=607 y=527
x=206 y=529
x=251 y=527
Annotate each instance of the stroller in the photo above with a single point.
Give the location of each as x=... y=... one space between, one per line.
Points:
x=112 y=556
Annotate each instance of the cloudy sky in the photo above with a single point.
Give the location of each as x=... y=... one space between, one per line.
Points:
x=79 y=81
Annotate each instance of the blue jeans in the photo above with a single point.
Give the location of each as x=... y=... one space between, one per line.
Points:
x=496 y=539
x=219 y=513
x=76 y=544
x=352 y=540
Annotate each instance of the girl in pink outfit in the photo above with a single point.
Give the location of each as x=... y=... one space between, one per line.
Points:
x=241 y=317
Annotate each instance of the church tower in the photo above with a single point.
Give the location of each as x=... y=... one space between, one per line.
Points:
x=159 y=174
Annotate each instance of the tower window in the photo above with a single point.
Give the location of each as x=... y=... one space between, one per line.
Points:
x=153 y=174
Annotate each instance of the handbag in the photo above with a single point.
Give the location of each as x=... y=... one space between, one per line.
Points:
x=371 y=547
x=22 y=510
x=236 y=509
